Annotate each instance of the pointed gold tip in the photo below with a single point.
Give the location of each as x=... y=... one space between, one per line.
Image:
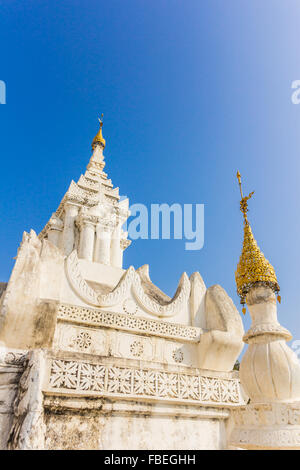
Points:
x=99 y=139
x=100 y=119
x=238 y=175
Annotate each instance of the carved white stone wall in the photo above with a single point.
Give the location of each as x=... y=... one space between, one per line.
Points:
x=140 y=426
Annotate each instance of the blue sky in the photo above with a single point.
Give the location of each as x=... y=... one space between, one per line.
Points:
x=191 y=91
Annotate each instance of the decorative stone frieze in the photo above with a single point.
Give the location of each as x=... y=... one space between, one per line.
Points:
x=95 y=379
x=78 y=195
x=93 y=317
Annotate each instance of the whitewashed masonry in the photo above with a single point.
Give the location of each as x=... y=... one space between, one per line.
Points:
x=96 y=356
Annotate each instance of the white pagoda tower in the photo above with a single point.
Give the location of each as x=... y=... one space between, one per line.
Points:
x=93 y=356
x=90 y=216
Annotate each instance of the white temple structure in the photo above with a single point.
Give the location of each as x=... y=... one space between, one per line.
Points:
x=95 y=356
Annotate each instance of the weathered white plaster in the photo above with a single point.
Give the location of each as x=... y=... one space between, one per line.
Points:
x=131 y=425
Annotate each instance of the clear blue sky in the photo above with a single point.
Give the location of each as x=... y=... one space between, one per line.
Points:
x=191 y=91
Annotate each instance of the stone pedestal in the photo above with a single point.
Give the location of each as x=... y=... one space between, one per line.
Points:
x=270 y=376
x=270 y=370
x=267 y=426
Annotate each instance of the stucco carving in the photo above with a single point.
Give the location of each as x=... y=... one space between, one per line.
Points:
x=89 y=316
x=179 y=301
x=14 y=358
x=137 y=348
x=79 y=284
x=177 y=355
x=99 y=379
x=81 y=196
x=89 y=184
x=28 y=429
x=75 y=338
x=130 y=280
x=130 y=307
x=222 y=342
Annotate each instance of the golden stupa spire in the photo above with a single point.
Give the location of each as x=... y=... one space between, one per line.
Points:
x=99 y=139
x=253 y=268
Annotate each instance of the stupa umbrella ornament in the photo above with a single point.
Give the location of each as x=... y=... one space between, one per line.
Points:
x=253 y=268
x=99 y=139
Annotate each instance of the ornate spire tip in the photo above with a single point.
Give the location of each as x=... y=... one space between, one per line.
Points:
x=253 y=268
x=99 y=139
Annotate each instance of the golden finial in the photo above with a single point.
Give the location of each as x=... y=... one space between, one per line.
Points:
x=99 y=139
x=238 y=175
x=243 y=203
x=253 y=268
